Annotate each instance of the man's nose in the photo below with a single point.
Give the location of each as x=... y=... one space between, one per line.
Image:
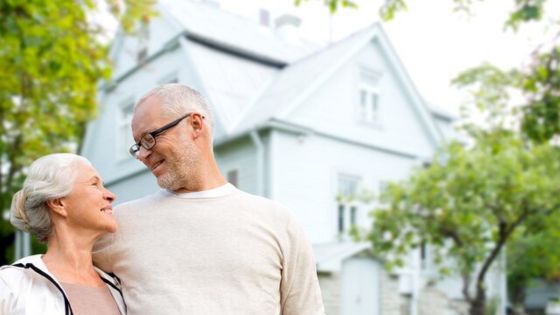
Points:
x=143 y=153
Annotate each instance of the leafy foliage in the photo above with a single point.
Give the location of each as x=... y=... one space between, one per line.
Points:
x=541 y=86
x=533 y=254
x=333 y=5
x=468 y=204
x=51 y=61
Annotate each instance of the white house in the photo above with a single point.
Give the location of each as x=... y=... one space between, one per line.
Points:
x=297 y=123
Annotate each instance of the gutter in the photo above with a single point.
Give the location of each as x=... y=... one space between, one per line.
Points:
x=297 y=129
x=260 y=161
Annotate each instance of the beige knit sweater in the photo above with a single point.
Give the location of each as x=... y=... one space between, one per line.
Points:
x=220 y=251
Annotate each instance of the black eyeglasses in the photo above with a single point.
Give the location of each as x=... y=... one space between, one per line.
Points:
x=148 y=140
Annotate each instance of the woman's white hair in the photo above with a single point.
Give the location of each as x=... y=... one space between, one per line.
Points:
x=178 y=99
x=50 y=177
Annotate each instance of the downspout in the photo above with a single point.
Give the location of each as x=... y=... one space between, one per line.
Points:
x=260 y=161
x=22 y=244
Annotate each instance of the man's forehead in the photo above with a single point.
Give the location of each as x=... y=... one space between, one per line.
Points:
x=147 y=115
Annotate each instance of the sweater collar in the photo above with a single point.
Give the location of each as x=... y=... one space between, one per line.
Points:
x=219 y=191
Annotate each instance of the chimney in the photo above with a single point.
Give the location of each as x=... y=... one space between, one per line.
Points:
x=287 y=26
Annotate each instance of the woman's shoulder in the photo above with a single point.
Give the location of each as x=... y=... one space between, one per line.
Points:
x=17 y=272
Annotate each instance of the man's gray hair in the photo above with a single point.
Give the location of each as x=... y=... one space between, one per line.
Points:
x=50 y=177
x=178 y=99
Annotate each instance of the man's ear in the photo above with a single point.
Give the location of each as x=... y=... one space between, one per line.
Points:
x=57 y=206
x=197 y=124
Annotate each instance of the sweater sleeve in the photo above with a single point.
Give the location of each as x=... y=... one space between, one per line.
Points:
x=299 y=287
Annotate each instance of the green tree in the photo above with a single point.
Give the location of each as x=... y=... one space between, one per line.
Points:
x=539 y=82
x=468 y=204
x=51 y=60
x=533 y=254
x=534 y=112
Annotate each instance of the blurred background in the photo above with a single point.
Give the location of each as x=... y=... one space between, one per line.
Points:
x=416 y=142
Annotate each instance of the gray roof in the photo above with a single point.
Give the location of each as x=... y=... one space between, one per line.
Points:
x=297 y=78
x=236 y=32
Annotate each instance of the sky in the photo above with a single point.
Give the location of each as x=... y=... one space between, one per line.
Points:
x=432 y=41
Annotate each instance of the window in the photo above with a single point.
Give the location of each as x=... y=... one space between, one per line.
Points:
x=348 y=185
x=341 y=211
x=353 y=215
x=125 y=134
x=232 y=177
x=423 y=254
x=369 y=110
x=383 y=186
x=347 y=209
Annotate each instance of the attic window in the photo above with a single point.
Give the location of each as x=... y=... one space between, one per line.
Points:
x=369 y=106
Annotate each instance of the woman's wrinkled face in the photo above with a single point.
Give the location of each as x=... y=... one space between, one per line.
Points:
x=89 y=204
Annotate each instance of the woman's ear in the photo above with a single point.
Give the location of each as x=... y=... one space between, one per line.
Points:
x=57 y=206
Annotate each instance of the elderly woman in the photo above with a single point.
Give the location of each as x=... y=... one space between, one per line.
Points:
x=63 y=203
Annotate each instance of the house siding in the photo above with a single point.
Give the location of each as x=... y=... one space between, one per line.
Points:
x=305 y=173
x=330 y=291
x=242 y=156
x=333 y=108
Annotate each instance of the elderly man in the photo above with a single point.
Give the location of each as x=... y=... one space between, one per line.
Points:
x=199 y=245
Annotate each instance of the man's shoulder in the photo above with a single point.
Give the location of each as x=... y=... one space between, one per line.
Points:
x=270 y=206
x=256 y=199
x=142 y=202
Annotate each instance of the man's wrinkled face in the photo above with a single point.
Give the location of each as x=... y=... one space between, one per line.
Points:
x=172 y=158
